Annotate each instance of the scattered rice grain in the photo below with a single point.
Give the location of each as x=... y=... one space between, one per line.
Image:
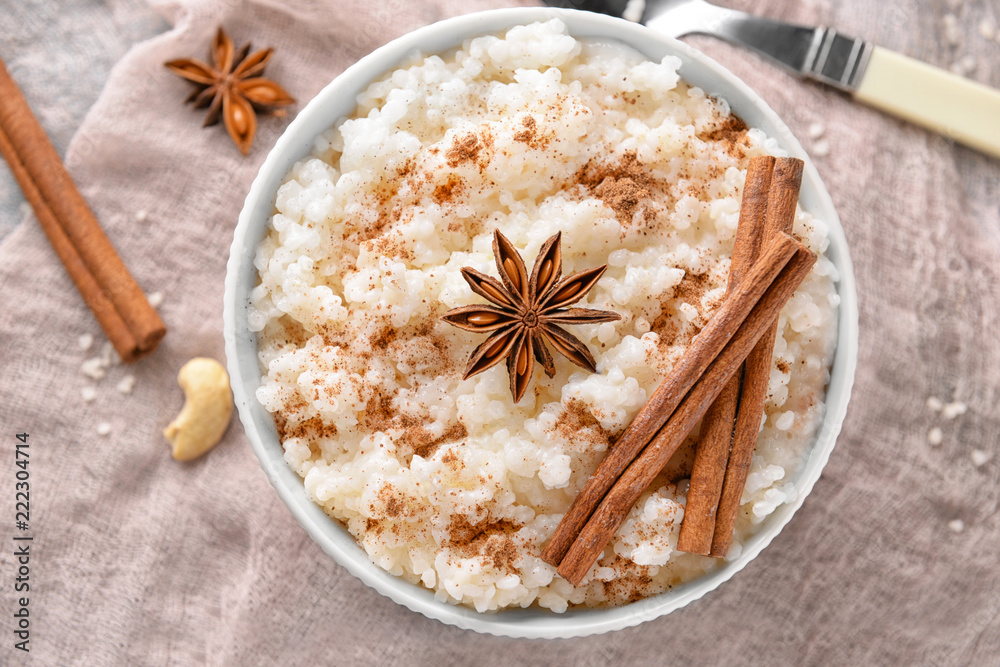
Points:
x=965 y=65
x=952 y=30
x=954 y=409
x=126 y=384
x=979 y=457
x=93 y=368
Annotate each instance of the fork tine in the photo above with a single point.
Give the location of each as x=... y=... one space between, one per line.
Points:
x=682 y=17
x=672 y=17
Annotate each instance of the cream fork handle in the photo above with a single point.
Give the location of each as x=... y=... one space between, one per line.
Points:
x=958 y=108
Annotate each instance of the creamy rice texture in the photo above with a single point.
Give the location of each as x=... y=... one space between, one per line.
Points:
x=445 y=481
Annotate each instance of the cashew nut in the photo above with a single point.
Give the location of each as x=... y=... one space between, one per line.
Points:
x=208 y=405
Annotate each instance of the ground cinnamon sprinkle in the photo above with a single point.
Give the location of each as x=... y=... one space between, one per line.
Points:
x=595 y=171
x=665 y=326
x=378 y=415
x=529 y=134
x=492 y=541
x=387 y=204
x=387 y=335
x=451 y=459
x=578 y=425
x=623 y=196
x=424 y=444
x=391 y=245
x=502 y=551
x=633 y=585
x=394 y=505
x=407 y=168
x=465 y=149
x=463 y=533
x=671 y=328
x=732 y=134
x=623 y=186
x=373 y=526
x=446 y=192
x=412 y=437
x=442 y=346
x=692 y=288
x=310 y=430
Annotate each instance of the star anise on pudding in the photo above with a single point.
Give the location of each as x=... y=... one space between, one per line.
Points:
x=527 y=313
x=233 y=88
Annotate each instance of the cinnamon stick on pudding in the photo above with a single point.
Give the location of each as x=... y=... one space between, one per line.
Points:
x=783 y=195
x=132 y=325
x=715 y=439
x=794 y=261
x=665 y=399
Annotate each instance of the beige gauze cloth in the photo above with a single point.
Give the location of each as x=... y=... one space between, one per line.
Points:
x=140 y=560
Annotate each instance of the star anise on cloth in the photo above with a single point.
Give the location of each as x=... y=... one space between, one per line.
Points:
x=233 y=88
x=527 y=313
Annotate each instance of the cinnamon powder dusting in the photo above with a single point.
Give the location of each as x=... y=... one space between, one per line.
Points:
x=632 y=585
x=446 y=192
x=412 y=438
x=465 y=149
x=692 y=288
x=394 y=505
x=424 y=443
x=667 y=325
x=577 y=424
x=492 y=541
x=310 y=430
x=528 y=134
x=624 y=187
x=732 y=134
x=470 y=148
x=385 y=336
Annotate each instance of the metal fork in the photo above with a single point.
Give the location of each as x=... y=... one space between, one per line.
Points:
x=816 y=53
x=963 y=110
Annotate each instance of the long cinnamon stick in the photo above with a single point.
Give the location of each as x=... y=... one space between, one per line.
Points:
x=716 y=436
x=114 y=326
x=668 y=395
x=782 y=198
x=54 y=197
x=616 y=505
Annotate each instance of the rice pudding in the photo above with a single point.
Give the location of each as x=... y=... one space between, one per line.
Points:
x=448 y=482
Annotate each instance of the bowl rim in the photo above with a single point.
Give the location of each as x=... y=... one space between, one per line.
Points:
x=241 y=348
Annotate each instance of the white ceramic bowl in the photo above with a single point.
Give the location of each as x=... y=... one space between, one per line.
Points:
x=336 y=101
